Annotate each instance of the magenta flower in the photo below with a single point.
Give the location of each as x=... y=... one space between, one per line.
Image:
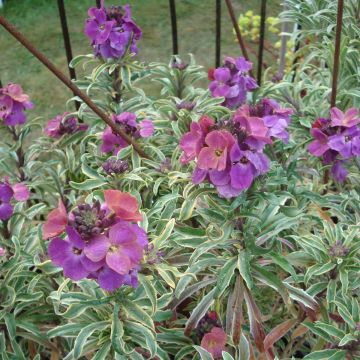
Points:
x=320 y=145
x=2 y=251
x=70 y=256
x=347 y=143
x=19 y=192
x=146 y=128
x=348 y=119
x=122 y=249
x=218 y=87
x=13 y=102
x=214 y=156
x=214 y=342
x=112 y=142
x=62 y=124
x=192 y=142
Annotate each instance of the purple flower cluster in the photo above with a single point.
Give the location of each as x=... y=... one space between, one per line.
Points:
x=337 y=140
x=112 y=31
x=100 y=241
x=127 y=121
x=232 y=81
x=13 y=102
x=19 y=192
x=114 y=166
x=63 y=124
x=229 y=154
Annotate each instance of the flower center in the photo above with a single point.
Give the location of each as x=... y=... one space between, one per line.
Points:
x=102 y=27
x=76 y=251
x=347 y=138
x=113 y=248
x=218 y=152
x=244 y=160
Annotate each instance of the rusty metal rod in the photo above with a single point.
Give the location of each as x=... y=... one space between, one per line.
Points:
x=261 y=41
x=335 y=74
x=67 y=43
x=237 y=31
x=60 y=75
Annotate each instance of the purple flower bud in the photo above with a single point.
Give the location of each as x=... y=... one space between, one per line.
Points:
x=115 y=166
x=338 y=250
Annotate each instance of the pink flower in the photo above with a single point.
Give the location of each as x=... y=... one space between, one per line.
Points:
x=192 y=142
x=2 y=251
x=214 y=156
x=21 y=192
x=111 y=142
x=214 y=342
x=56 y=222
x=146 y=128
x=124 y=205
x=348 y=119
x=61 y=125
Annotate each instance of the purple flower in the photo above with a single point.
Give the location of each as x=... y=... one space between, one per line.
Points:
x=115 y=166
x=112 y=31
x=62 y=124
x=347 y=143
x=232 y=81
x=13 y=102
x=6 y=194
x=246 y=165
x=127 y=121
x=219 y=87
x=110 y=280
x=70 y=256
x=348 y=119
x=111 y=142
x=97 y=28
x=338 y=171
x=122 y=249
x=214 y=156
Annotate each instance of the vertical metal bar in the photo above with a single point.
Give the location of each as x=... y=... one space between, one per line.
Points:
x=284 y=38
x=337 y=52
x=261 y=40
x=98 y=3
x=67 y=44
x=237 y=31
x=1 y=84
x=174 y=27
x=218 y=33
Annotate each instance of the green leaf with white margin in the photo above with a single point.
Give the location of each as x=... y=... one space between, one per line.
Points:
x=224 y=277
x=331 y=354
x=199 y=312
x=88 y=184
x=136 y=313
x=84 y=334
x=103 y=352
x=117 y=331
x=205 y=355
x=165 y=234
x=243 y=265
x=243 y=348
x=226 y=356
x=150 y=291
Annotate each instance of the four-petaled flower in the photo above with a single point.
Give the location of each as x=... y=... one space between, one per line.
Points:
x=214 y=342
